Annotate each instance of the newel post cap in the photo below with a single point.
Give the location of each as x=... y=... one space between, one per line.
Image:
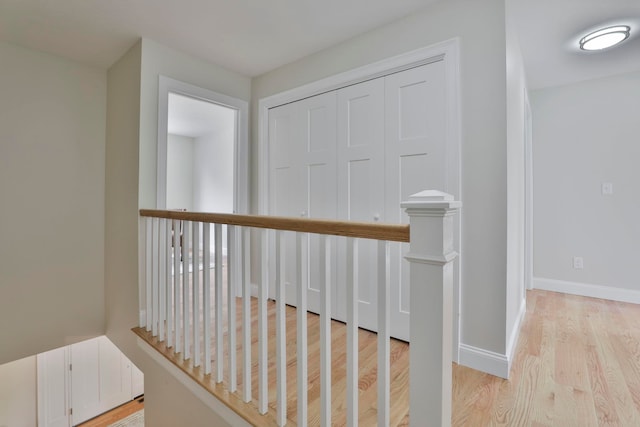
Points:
x=431 y=199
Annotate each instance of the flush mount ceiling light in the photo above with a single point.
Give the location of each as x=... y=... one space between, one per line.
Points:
x=605 y=38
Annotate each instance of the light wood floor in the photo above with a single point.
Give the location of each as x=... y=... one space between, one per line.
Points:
x=577 y=363
x=367 y=372
x=115 y=415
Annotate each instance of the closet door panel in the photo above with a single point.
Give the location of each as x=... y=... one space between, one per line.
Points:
x=361 y=190
x=415 y=134
x=302 y=138
x=318 y=121
x=285 y=188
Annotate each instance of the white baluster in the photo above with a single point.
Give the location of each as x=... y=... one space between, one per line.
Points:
x=162 y=255
x=174 y=310
x=352 y=332
x=155 y=279
x=195 y=298
x=218 y=296
x=185 y=291
x=384 y=331
x=281 y=333
x=246 y=314
x=301 y=311
x=231 y=309
x=168 y=279
x=262 y=325
x=206 y=295
x=325 y=331
x=142 y=269
x=149 y=271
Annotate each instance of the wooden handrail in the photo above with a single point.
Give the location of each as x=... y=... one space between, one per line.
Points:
x=364 y=230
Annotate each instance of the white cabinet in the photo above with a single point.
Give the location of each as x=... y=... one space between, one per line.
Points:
x=355 y=153
x=84 y=380
x=53 y=388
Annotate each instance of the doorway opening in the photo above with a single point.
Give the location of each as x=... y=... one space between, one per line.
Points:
x=200 y=154
x=202 y=149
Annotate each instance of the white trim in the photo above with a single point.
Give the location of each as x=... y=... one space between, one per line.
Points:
x=512 y=343
x=484 y=360
x=528 y=194
x=587 y=290
x=446 y=51
x=207 y=398
x=241 y=149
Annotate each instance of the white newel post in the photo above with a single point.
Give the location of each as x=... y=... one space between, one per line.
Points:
x=431 y=256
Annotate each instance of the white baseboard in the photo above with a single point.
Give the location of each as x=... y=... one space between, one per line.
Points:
x=515 y=333
x=484 y=360
x=207 y=398
x=587 y=290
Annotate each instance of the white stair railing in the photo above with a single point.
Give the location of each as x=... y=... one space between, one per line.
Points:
x=179 y=310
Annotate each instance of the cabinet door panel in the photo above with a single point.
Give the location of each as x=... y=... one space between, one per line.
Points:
x=85 y=380
x=100 y=380
x=53 y=396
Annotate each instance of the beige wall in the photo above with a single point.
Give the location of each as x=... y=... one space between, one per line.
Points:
x=168 y=403
x=480 y=27
x=18 y=393
x=132 y=111
x=52 y=155
x=121 y=215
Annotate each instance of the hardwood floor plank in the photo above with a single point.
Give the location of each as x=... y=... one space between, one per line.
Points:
x=577 y=363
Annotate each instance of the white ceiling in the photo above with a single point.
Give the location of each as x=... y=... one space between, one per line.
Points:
x=248 y=36
x=194 y=118
x=549 y=31
x=255 y=36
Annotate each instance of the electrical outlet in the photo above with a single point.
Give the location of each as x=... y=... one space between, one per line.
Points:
x=607 y=188
x=578 y=263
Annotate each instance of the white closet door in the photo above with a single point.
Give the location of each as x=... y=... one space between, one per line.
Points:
x=285 y=186
x=85 y=380
x=318 y=163
x=361 y=175
x=137 y=381
x=415 y=156
x=53 y=396
x=303 y=177
x=100 y=380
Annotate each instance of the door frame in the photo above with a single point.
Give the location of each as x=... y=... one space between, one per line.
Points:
x=446 y=51
x=168 y=85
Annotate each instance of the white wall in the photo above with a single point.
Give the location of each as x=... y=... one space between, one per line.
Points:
x=586 y=134
x=516 y=89
x=160 y=60
x=480 y=27
x=180 y=172
x=18 y=393
x=52 y=155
